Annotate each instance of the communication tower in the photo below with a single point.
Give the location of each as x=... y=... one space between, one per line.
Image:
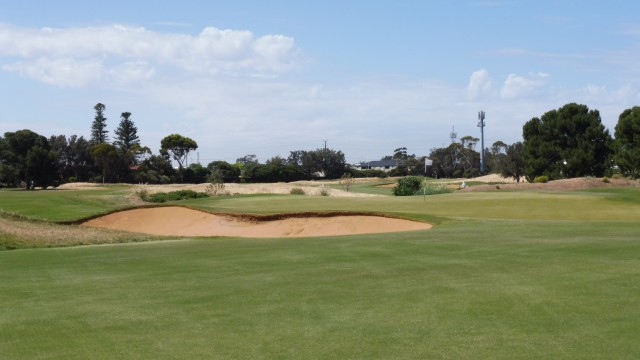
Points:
x=481 y=126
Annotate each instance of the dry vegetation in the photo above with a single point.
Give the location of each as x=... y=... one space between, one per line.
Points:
x=313 y=188
x=22 y=233
x=559 y=185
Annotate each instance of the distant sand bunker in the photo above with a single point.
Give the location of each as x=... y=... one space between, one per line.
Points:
x=179 y=221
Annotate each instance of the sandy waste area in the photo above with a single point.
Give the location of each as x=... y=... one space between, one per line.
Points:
x=312 y=188
x=179 y=221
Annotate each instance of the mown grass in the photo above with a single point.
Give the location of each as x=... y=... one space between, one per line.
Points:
x=525 y=205
x=504 y=275
x=462 y=290
x=65 y=205
x=372 y=187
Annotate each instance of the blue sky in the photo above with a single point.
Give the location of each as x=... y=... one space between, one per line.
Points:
x=267 y=77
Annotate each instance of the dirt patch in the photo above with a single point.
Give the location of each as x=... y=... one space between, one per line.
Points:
x=79 y=186
x=558 y=185
x=179 y=221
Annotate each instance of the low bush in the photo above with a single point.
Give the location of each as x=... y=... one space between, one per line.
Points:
x=541 y=179
x=215 y=189
x=375 y=173
x=347 y=181
x=605 y=179
x=368 y=173
x=324 y=192
x=175 y=195
x=141 y=192
x=296 y=191
x=407 y=186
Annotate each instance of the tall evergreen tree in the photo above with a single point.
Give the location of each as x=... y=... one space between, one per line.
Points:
x=27 y=159
x=99 y=133
x=627 y=134
x=74 y=158
x=566 y=143
x=513 y=165
x=126 y=133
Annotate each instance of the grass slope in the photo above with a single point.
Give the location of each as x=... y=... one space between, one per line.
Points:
x=65 y=205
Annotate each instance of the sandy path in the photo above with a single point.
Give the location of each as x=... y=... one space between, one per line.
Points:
x=179 y=221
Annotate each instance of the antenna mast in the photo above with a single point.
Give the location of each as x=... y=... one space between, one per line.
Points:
x=481 y=126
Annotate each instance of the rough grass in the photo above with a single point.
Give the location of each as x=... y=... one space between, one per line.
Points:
x=16 y=233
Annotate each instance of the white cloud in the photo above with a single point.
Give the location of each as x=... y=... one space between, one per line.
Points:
x=46 y=54
x=594 y=91
x=518 y=86
x=625 y=94
x=231 y=117
x=63 y=72
x=129 y=72
x=480 y=84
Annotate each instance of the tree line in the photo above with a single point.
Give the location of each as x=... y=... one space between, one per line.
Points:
x=28 y=159
x=563 y=143
x=567 y=142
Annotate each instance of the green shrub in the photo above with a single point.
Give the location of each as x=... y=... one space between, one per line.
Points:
x=407 y=186
x=158 y=198
x=541 y=179
x=471 y=173
x=368 y=173
x=175 y=195
x=375 y=173
x=605 y=179
x=324 y=192
x=296 y=191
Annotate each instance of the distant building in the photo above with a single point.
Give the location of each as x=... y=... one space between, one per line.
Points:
x=384 y=165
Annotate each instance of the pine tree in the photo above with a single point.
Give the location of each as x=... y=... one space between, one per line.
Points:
x=566 y=143
x=126 y=133
x=99 y=126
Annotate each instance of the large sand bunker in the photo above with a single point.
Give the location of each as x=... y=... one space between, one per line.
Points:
x=179 y=221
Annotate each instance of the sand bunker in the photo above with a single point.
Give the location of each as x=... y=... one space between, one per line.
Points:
x=179 y=221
